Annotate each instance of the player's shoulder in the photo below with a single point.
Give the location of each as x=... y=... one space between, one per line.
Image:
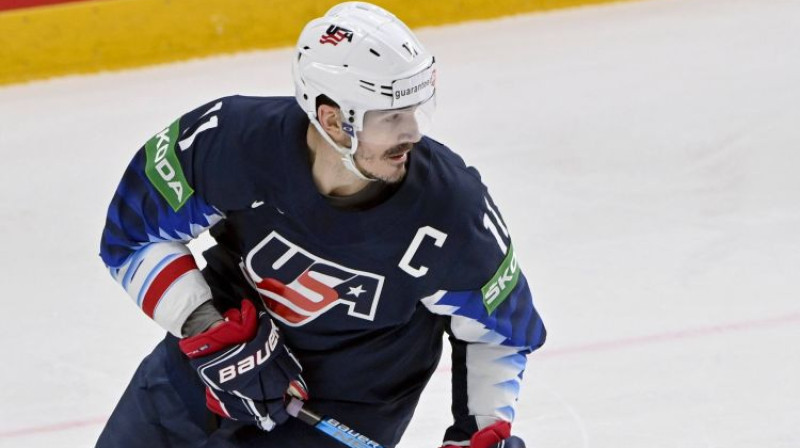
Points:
x=236 y=118
x=249 y=129
x=258 y=105
x=458 y=204
x=242 y=147
x=248 y=112
x=450 y=179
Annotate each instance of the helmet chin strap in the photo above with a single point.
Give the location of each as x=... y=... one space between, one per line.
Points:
x=346 y=153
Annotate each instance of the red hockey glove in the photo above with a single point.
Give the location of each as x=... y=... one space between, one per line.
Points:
x=497 y=435
x=246 y=368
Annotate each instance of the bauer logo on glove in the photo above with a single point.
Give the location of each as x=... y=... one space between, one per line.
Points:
x=246 y=368
x=256 y=359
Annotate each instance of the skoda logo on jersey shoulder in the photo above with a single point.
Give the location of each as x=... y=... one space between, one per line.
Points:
x=298 y=286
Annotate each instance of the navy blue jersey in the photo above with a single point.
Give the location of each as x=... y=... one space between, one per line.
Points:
x=363 y=297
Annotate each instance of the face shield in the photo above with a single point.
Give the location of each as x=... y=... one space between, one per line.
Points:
x=395 y=126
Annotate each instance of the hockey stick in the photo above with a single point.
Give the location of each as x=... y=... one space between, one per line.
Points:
x=331 y=427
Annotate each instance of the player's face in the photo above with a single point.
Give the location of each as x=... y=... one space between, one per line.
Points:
x=387 y=139
x=386 y=158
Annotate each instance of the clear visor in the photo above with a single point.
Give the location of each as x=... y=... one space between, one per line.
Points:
x=395 y=126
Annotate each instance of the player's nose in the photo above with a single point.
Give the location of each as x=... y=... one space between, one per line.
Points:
x=409 y=129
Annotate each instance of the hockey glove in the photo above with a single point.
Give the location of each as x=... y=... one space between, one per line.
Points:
x=246 y=368
x=497 y=435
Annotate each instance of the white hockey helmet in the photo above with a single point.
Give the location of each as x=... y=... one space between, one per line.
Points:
x=367 y=61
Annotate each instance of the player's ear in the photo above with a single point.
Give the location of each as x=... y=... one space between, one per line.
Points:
x=330 y=117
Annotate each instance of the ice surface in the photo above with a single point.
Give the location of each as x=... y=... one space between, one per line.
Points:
x=645 y=156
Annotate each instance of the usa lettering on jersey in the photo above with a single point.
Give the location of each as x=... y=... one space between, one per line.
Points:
x=298 y=286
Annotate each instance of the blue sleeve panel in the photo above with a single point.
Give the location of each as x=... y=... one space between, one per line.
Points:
x=514 y=323
x=139 y=215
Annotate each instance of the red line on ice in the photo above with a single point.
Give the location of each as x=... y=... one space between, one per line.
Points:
x=670 y=336
x=52 y=428
x=595 y=347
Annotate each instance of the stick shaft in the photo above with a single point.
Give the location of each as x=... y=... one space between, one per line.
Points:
x=332 y=427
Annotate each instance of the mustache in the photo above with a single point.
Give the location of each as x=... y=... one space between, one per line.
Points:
x=398 y=149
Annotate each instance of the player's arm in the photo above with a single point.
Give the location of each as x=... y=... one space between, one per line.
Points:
x=160 y=205
x=156 y=209
x=493 y=326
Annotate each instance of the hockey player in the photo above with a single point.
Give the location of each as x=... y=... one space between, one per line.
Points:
x=348 y=244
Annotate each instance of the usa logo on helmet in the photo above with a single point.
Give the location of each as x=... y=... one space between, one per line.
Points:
x=335 y=34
